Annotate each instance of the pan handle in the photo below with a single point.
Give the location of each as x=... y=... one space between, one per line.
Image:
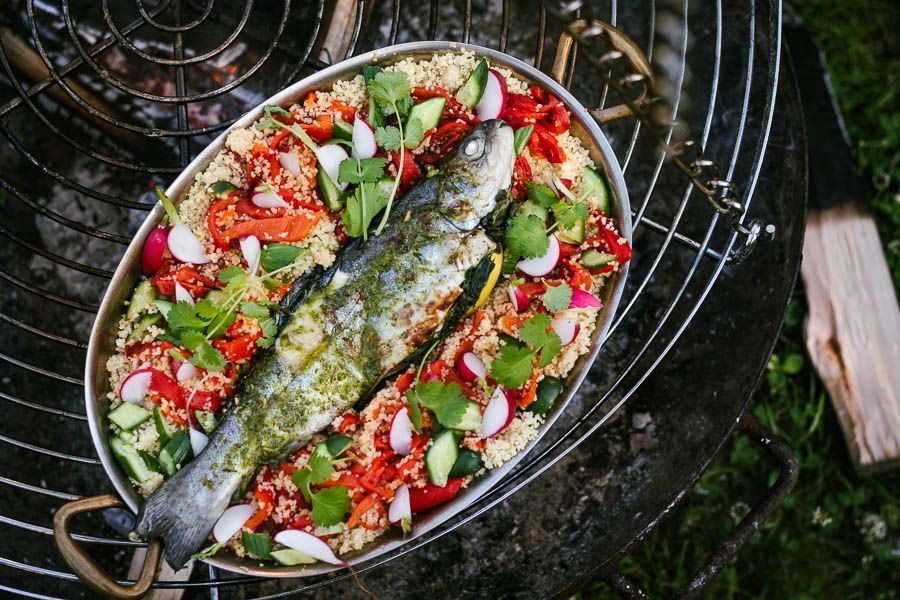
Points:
x=84 y=566
x=564 y=64
x=783 y=456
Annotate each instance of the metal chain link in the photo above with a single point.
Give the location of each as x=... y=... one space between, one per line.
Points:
x=637 y=93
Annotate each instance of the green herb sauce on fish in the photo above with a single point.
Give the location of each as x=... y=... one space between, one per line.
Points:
x=346 y=329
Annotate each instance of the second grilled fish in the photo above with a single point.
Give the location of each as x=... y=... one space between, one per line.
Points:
x=344 y=331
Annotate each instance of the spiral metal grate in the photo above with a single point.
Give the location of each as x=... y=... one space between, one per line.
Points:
x=99 y=100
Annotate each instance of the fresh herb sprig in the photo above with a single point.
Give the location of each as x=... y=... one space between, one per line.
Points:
x=330 y=504
x=514 y=366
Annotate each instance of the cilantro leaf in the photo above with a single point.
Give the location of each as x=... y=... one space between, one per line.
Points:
x=301 y=480
x=369 y=170
x=388 y=137
x=220 y=323
x=229 y=273
x=526 y=237
x=540 y=194
x=207 y=357
x=278 y=256
x=254 y=310
x=182 y=316
x=413 y=133
x=569 y=215
x=557 y=297
x=415 y=411
x=192 y=339
x=330 y=505
x=320 y=464
x=269 y=330
x=535 y=333
x=206 y=309
x=446 y=400
x=388 y=88
x=362 y=207
x=512 y=367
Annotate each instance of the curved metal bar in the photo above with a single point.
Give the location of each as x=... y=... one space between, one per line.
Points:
x=45 y=409
x=47 y=451
x=62 y=260
x=90 y=539
x=173 y=28
x=44 y=334
x=22 y=284
x=37 y=490
x=41 y=371
x=199 y=58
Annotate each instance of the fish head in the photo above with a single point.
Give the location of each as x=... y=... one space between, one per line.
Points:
x=477 y=172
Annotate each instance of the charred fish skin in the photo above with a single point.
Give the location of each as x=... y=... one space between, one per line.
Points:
x=346 y=331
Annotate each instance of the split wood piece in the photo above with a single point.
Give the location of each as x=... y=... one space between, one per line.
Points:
x=853 y=331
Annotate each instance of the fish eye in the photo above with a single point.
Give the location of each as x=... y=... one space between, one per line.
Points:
x=474 y=147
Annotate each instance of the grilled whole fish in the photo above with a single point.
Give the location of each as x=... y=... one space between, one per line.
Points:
x=344 y=330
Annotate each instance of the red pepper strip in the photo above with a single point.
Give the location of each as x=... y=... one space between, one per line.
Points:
x=421 y=93
x=265 y=501
x=237 y=350
x=189 y=277
x=372 y=478
x=404 y=382
x=558 y=120
x=532 y=289
x=347 y=112
x=301 y=522
x=348 y=481
x=350 y=419
x=136 y=348
x=362 y=508
x=530 y=392
x=567 y=250
x=544 y=145
x=291 y=198
x=429 y=496
x=521 y=175
x=279 y=137
x=166 y=387
x=201 y=400
x=322 y=129
x=246 y=207
x=581 y=277
x=538 y=93
x=212 y=222
x=260 y=150
x=445 y=137
x=567 y=183
x=410 y=173
x=279 y=229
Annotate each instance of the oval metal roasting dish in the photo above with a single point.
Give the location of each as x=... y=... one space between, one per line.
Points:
x=102 y=339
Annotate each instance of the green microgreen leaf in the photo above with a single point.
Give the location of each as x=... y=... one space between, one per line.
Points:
x=537 y=333
x=557 y=297
x=388 y=137
x=330 y=505
x=525 y=236
x=513 y=366
x=445 y=400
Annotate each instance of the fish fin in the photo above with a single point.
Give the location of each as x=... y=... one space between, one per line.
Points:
x=183 y=511
x=494 y=224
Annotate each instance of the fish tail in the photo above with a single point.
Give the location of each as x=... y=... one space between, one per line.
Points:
x=184 y=510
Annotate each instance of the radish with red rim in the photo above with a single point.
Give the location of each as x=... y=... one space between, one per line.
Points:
x=252 y=250
x=185 y=371
x=401 y=432
x=231 y=522
x=567 y=329
x=154 y=250
x=136 y=386
x=364 y=144
x=583 y=299
x=308 y=544
x=518 y=298
x=498 y=414
x=290 y=162
x=182 y=295
x=264 y=197
x=493 y=100
x=330 y=157
x=470 y=367
x=400 y=508
x=541 y=265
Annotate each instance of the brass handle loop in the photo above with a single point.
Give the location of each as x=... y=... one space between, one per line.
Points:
x=90 y=573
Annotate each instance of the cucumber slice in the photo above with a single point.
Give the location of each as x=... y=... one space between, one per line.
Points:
x=165 y=429
x=128 y=416
x=164 y=306
x=428 y=112
x=330 y=192
x=143 y=324
x=290 y=558
x=467 y=463
x=130 y=460
x=522 y=135
x=593 y=185
x=440 y=457
x=471 y=419
x=151 y=462
x=593 y=259
x=207 y=420
x=548 y=390
x=470 y=93
x=141 y=300
x=175 y=452
x=343 y=130
x=572 y=235
x=531 y=208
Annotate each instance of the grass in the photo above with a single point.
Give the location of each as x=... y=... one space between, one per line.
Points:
x=837 y=535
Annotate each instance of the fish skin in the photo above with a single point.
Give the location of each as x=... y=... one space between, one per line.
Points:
x=345 y=330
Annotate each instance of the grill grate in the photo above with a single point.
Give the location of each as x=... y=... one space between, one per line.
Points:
x=84 y=141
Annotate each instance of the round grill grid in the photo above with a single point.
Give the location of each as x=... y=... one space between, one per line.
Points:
x=51 y=262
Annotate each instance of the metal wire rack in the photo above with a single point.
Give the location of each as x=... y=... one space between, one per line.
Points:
x=99 y=101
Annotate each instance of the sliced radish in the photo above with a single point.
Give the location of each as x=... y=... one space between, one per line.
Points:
x=499 y=413
x=540 y=266
x=401 y=433
x=308 y=544
x=330 y=158
x=290 y=162
x=266 y=198
x=135 y=386
x=252 y=251
x=231 y=521
x=400 y=508
x=518 y=298
x=154 y=248
x=198 y=441
x=182 y=295
x=470 y=367
x=583 y=299
x=364 y=145
x=567 y=329
x=493 y=101
x=185 y=371
x=185 y=246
